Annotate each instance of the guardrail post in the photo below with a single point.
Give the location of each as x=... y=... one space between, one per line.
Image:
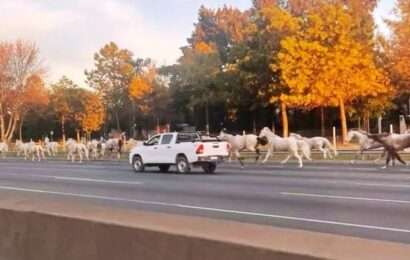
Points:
x=334 y=137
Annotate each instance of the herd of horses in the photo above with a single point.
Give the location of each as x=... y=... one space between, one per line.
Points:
x=301 y=147
x=75 y=151
x=295 y=146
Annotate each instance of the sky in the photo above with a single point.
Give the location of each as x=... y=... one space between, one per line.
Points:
x=69 y=32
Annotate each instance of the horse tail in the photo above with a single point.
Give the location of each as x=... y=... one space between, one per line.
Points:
x=120 y=145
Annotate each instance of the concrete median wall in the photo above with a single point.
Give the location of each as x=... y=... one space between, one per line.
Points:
x=38 y=229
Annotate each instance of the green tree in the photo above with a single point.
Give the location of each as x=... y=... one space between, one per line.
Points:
x=112 y=73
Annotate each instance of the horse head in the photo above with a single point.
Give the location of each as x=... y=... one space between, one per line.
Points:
x=223 y=135
x=350 y=135
x=262 y=140
x=265 y=132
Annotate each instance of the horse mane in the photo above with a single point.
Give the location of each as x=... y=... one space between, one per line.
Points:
x=379 y=138
x=262 y=140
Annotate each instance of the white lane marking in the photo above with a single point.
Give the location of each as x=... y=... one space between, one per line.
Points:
x=342 y=197
x=381 y=185
x=74 y=179
x=218 y=210
x=96 y=180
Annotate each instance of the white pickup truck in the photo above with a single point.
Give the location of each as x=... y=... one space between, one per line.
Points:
x=183 y=150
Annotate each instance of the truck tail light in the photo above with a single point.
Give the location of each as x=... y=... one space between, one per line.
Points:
x=200 y=149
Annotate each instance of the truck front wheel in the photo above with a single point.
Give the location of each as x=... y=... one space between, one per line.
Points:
x=138 y=164
x=209 y=167
x=183 y=164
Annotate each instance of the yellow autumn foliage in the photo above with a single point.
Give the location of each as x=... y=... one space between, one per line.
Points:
x=323 y=64
x=93 y=115
x=204 y=48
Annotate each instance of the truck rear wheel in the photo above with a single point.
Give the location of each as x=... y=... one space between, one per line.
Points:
x=209 y=167
x=138 y=164
x=183 y=164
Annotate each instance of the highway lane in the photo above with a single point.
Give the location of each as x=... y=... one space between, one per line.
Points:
x=356 y=200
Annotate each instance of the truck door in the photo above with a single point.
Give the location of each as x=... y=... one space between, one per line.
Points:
x=151 y=149
x=166 y=149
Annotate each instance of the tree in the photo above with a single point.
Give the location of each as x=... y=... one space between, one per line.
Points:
x=112 y=73
x=399 y=49
x=325 y=64
x=141 y=86
x=18 y=62
x=61 y=97
x=93 y=114
x=34 y=98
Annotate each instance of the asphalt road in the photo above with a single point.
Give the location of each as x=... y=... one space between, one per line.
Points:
x=355 y=200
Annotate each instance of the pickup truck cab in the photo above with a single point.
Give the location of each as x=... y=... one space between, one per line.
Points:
x=184 y=150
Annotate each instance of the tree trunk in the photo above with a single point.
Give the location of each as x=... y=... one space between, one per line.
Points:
x=133 y=119
x=343 y=121
x=12 y=119
x=366 y=122
x=12 y=127
x=63 y=128
x=285 y=121
x=322 y=122
x=2 y=131
x=117 y=121
x=78 y=135
x=21 y=128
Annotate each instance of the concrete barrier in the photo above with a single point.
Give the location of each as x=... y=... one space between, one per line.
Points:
x=36 y=228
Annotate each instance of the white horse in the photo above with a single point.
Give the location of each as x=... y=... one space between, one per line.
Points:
x=320 y=143
x=114 y=146
x=4 y=149
x=51 y=147
x=22 y=149
x=96 y=149
x=36 y=151
x=76 y=149
x=365 y=143
x=238 y=143
x=277 y=143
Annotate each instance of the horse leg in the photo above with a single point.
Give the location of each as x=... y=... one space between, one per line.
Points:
x=362 y=155
x=286 y=159
x=258 y=154
x=388 y=158
x=398 y=157
x=307 y=153
x=381 y=156
x=238 y=156
x=324 y=151
x=268 y=155
x=295 y=154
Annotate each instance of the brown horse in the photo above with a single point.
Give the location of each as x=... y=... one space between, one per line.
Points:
x=392 y=143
